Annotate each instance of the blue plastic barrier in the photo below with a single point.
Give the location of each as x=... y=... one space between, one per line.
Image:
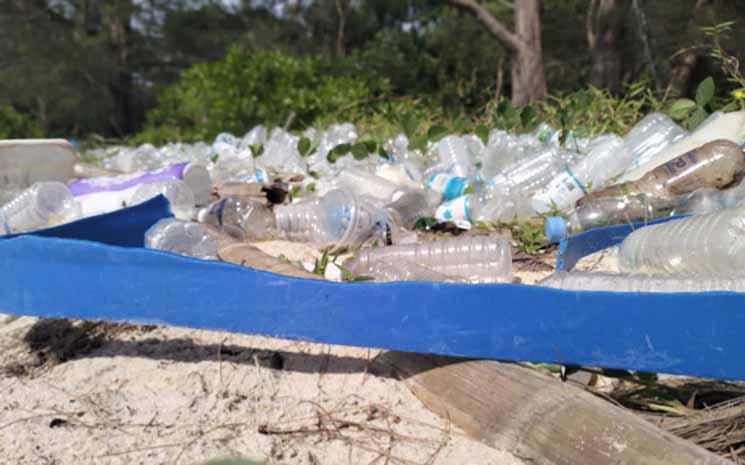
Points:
x=694 y=334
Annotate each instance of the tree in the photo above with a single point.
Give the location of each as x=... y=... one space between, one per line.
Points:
x=605 y=30
x=528 y=77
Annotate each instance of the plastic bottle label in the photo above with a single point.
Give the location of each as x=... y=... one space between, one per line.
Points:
x=456 y=211
x=562 y=192
x=677 y=165
x=125 y=182
x=450 y=186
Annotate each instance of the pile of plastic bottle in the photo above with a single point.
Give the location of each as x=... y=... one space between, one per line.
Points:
x=371 y=205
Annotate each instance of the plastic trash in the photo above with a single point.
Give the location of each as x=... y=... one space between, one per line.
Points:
x=717 y=164
x=413 y=205
x=607 y=158
x=241 y=217
x=386 y=270
x=449 y=186
x=729 y=126
x=177 y=192
x=624 y=282
x=256 y=136
x=605 y=211
x=712 y=244
x=105 y=194
x=367 y=184
x=281 y=153
x=25 y=162
x=183 y=238
x=484 y=259
x=41 y=205
x=650 y=136
x=454 y=157
x=339 y=218
x=400 y=154
x=527 y=175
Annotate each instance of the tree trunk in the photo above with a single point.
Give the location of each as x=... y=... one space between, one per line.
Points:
x=605 y=30
x=342 y=7
x=524 y=45
x=684 y=64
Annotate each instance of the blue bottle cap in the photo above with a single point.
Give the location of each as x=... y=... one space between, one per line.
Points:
x=555 y=228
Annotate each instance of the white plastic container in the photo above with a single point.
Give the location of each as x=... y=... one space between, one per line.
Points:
x=24 y=162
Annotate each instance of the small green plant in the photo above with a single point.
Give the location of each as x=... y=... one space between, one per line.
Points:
x=694 y=112
x=14 y=125
x=528 y=236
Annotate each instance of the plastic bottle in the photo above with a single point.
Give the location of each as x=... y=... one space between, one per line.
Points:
x=41 y=205
x=367 y=184
x=177 y=192
x=338 y=218
x=411 y=206
x=716 y=164
x=606 y=211
x=184 y=238
x=650 y=136
x=256 y=136
x=624 y=282
x=607 y=158
x=281 y=153
x=454 y=157
x=527 y=175
x=385 y=270
x=25 y=162
x=709 y=244
x=449 y=186
x=240 y=217
x=483 y=259
x=729 y=126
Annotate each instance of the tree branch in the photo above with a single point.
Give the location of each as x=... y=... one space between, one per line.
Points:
x=507 y=37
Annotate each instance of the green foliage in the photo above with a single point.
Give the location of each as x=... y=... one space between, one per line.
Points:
x=245 y=89
x=692 y=113
x=14 y=125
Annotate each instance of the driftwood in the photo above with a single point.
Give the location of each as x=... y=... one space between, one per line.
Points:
x=248 y=255
x=536 y=417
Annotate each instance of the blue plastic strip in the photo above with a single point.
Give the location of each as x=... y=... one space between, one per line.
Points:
x=573 y=248
x=693 y=334
x=125 y=227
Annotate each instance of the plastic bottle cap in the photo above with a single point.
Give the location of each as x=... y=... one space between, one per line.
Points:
x=555 y=228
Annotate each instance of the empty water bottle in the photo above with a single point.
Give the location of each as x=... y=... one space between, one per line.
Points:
x=385 y=270
x=485 y=259
x=177 y=192
x=607 y=158
x=454 y=157
x=363 y=183
x=650 y=136
x=184 y=238
x=281 y=153
x=413 y=205
x=241 y=217
x=338 y=218
x=41 y=205
x=527 y=175
x=717 y=164
x=624 y=282
x=709 y=244
x=256 y=136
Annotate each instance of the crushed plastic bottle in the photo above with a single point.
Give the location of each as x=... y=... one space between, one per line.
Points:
x=41 y=205
x=624 y=282
x=184 y=238
x=607 y=158
x=177 y=192
x=241 y=217
x=484 y=259
x=339 y=218
x=413 y=205
x=712 y=244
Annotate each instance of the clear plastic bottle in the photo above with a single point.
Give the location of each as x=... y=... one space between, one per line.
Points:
x=256 y=136
x=527 y=175
x=241 y=217
x=716 y=164
x=338 y=218
x=177 y=192
x=712 y=244
x=606 y=211
x=411 y=206
x=281 y=153
x=41 y=205
x=607 y=158
x=650 y=136
x=183 y=238
x=363 y=183
x=385 y=270
x=485 y=259
x=454 y=157
x=624 y=282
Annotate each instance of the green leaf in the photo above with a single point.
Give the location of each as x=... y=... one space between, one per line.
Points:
x=303 y=146
x=409 y=124
x=311 y=187
x=257 y=150
x=697 y=118
x=382 y=153
x=425 y=224
x=214 y=158
x=338 y=151
x=436 y=133
x=359 y=151
x=681 y=109
x=528 y=116
x=483 y=133
x=705 y=92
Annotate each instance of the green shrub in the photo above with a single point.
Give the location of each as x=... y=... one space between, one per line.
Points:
x=249 y=88
x=14 y=125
